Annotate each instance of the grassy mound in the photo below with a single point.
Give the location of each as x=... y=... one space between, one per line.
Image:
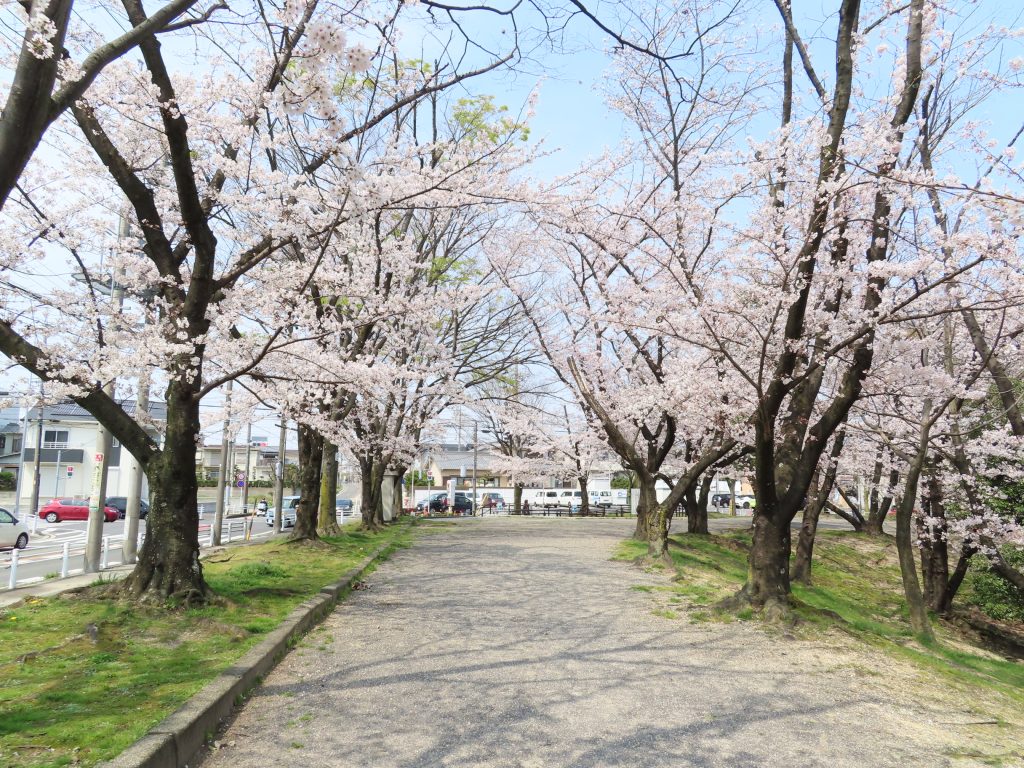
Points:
x=856 y=589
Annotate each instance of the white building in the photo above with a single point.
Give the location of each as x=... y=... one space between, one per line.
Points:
x=68 y=457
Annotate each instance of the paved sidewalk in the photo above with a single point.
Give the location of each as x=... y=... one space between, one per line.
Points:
x=519 y=643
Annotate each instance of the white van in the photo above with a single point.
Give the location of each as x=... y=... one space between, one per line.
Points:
x=544 y=499
x=615 y=497
x=288 y=505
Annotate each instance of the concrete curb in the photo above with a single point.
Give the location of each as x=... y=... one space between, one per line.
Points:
x=173 y=742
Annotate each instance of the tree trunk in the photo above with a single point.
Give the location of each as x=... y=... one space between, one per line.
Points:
x=1007 y=571
x=956 y=579
x=645 y=509
x=768 y=573
x=311 y=453
x=396 y=494
x=932 y=533
x=372 y=472
x=585 y=500
x=327 y=520
x=809 y=528
x=817 y=497
x=879 y=511
x=517 y=499
x=657 y=526
x=168 y=565
x=696 y=515
x=905 y=547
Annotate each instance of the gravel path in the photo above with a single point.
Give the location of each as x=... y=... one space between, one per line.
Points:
x=519 y=643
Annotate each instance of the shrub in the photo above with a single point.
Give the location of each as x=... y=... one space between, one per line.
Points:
x=992 y=593
x=7 y=481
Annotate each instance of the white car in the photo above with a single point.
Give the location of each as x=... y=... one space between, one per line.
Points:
x=288 y=505
x=13 y=532
x=544 y=499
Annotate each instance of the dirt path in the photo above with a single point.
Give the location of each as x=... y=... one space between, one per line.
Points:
x=517 y=642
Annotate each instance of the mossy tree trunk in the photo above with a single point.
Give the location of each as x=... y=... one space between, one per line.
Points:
x=168 y=564
x=327 y=519
x=371 y=477
x=311 y=452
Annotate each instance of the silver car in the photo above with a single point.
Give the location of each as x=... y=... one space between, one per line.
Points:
x=13 y=532
x=288 y=505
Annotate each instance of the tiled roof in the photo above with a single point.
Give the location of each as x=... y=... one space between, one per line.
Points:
x=157 y=410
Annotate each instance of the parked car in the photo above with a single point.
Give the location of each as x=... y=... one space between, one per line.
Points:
x=439 y=503
x=288 y=507
x=746 y=501
x=542 y=499
x=613 y=497
x=435 y=502
x=462 y=504
x=570 y=499
x=13 y=532
x=120 y=503
x=59 y=510
x=720 y=499
x=343 y=506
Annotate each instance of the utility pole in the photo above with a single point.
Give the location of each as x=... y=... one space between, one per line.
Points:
x=218 y=510
x=37 y=477
x=21 y=464
x=130 y=545
x=104 y=444
x=248 y=465
x=98 y=495
x=56 y=476
x=282 y=441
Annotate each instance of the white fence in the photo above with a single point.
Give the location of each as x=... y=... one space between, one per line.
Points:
x=43 y=562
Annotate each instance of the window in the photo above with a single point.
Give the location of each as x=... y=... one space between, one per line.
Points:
x=16 y=445
x=6 y=517
x=3 y=443
x=55 y=438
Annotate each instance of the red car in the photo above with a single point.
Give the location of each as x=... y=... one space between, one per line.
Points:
x=72 y=509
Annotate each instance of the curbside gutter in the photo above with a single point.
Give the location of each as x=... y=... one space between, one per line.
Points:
x=174 y=742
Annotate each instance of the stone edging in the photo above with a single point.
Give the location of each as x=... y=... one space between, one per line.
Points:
x=173 y=742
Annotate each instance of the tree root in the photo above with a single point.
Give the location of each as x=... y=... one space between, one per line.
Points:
x=305 y=541
x=772 y=611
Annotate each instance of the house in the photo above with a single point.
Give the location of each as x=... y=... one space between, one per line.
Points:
x=449 y=461
x=68 y=458
x=262 y=460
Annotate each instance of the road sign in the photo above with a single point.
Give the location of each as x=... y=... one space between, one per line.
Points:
x=98 y=457
x=71 y=470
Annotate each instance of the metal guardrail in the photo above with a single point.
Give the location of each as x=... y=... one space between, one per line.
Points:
x=62 y=562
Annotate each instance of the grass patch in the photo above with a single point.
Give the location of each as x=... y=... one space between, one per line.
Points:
x=856 y=588
x=82 y=678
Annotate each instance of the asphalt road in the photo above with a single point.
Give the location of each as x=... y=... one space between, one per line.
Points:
x=520 y=643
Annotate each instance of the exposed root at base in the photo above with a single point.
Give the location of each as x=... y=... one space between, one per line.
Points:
x=771 y=611
x=306 y=541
